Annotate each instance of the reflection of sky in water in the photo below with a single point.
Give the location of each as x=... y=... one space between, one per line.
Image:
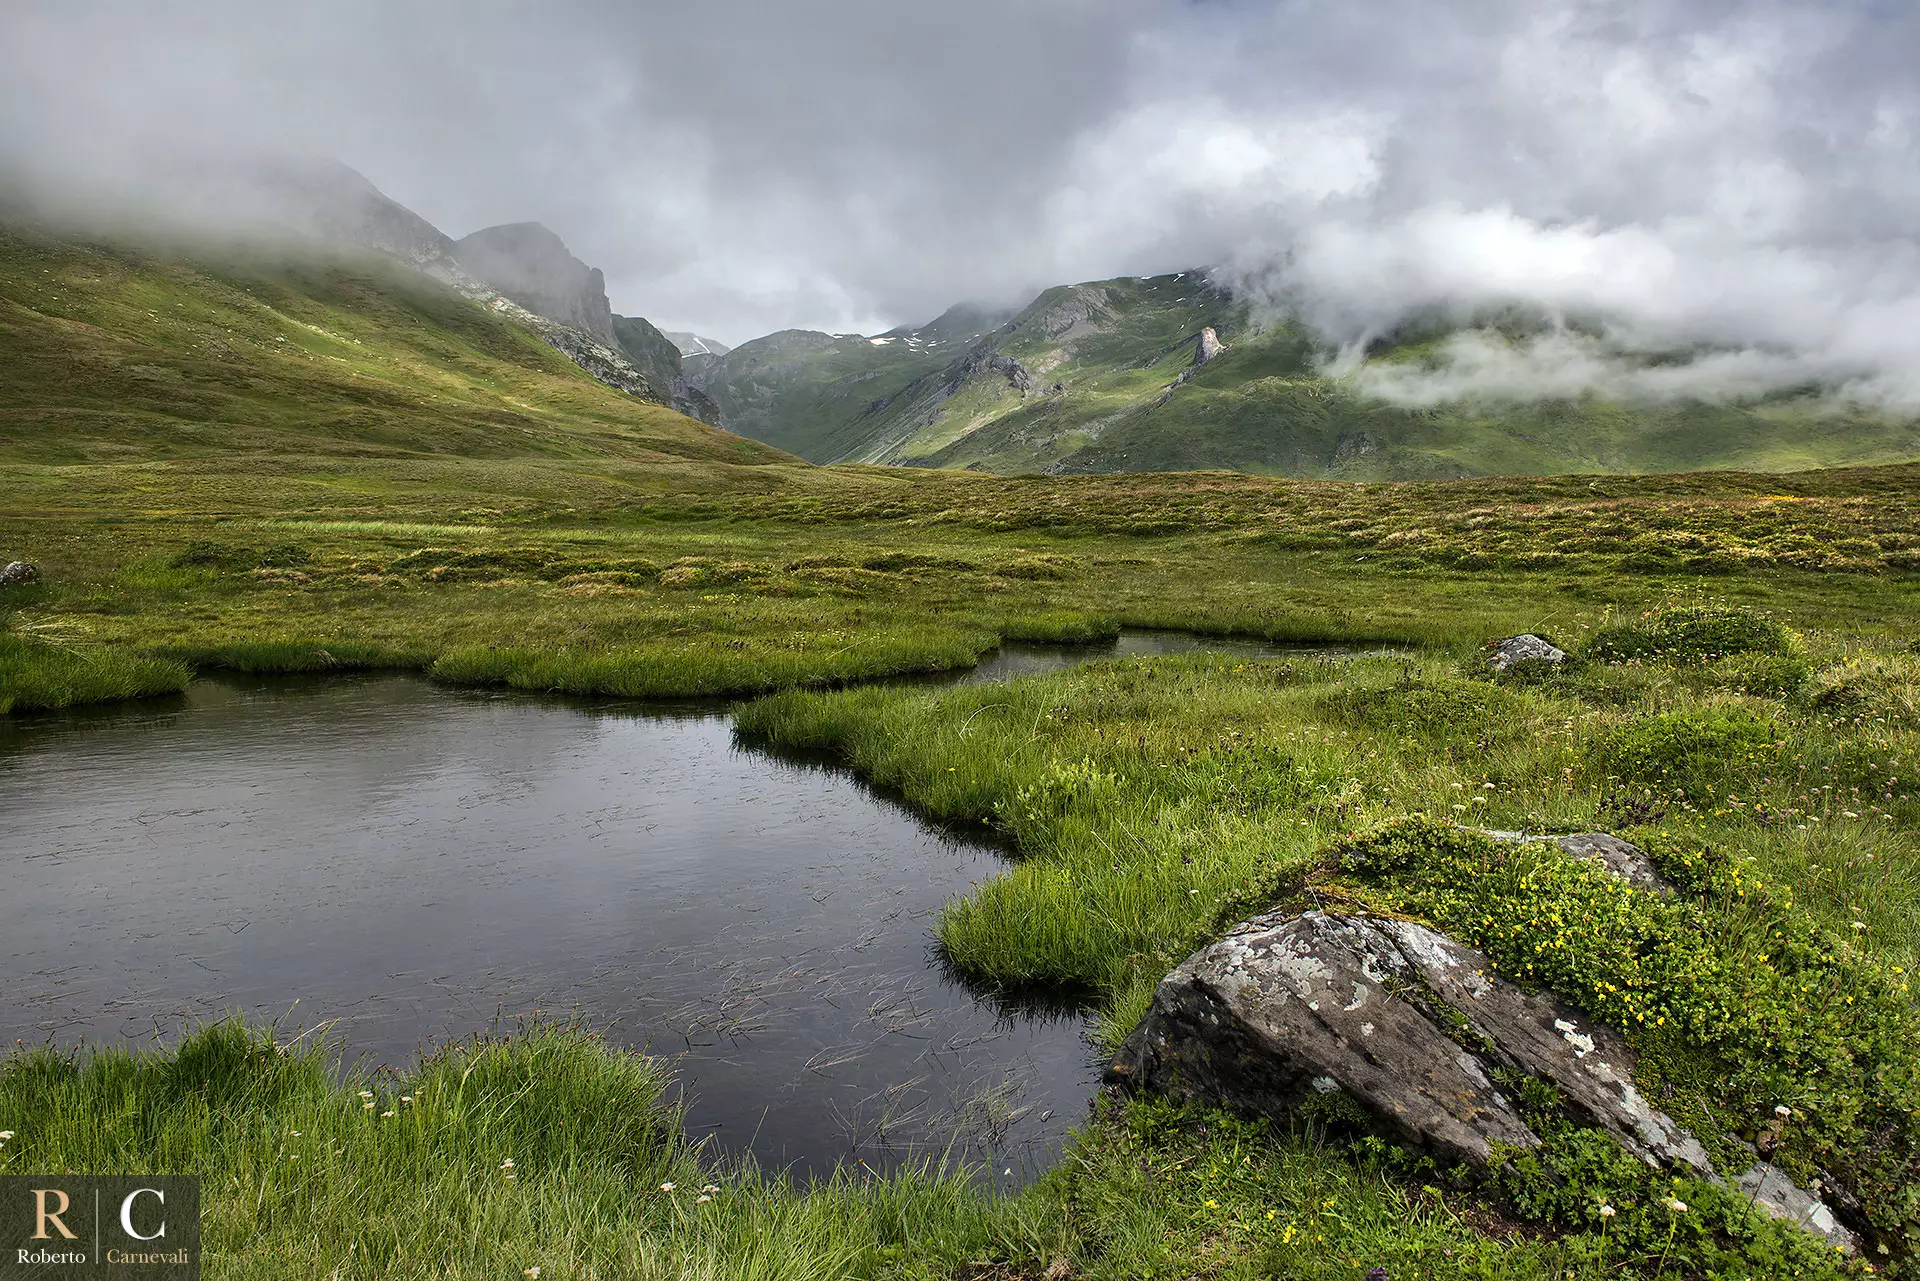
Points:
x=419 y=862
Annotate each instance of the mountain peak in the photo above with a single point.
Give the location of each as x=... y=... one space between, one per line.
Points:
x=531 y=265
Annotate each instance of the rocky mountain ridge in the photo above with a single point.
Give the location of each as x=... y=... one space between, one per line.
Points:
x=522 y=271
x=1178 y=373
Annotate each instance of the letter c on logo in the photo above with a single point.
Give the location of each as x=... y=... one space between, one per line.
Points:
x=126 y=1212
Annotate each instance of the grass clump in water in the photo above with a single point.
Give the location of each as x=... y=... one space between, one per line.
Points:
x=36 y=676
x=678 y=669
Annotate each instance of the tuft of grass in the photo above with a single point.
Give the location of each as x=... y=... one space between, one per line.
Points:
x=276 y=654
x=36 y=676
x=1064 y=627
x=689 y=669
x=547 y=1148
x=1690 y=634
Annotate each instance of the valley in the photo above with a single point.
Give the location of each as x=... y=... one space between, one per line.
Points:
x=240 y=467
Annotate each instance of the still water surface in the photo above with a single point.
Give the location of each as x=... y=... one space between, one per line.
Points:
x=416 y=864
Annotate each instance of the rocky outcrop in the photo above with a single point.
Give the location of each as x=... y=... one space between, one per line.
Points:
x=19 y=573
x=1779 y=1197
x=658 y=357
x=532 y=266
x=1524 y=648
x=985 y=359
x=1206 y=347
x=1420 y=1033
x=1413 y=1026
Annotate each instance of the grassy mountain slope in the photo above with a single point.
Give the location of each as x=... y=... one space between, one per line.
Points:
x=808 y=392
x=117 y=353
x=1260 y=407
x=1101 y=377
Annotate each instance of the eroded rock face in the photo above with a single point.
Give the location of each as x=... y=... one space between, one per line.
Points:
x=1522 y=648
x=1208 y=346
x=1412 y=1025
x=532 y=266
x=17 y=573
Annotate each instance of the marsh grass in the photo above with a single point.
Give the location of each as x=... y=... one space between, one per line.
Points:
x=36 y=676
x=548 y=1148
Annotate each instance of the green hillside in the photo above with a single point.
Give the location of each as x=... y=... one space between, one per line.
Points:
x=116 y=354
x=1102 y=377
x=809 y=392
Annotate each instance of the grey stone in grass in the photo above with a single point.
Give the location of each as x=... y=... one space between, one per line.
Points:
x=1410 y=1024
x=1525 y=647
x=1779 y=1197
x=1623 y=858
x=1414 y=1028
x=17 y=573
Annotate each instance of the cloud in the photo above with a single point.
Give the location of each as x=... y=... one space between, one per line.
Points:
x=1736 y=180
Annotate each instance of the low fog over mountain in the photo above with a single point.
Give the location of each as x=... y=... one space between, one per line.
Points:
x=1734 y=181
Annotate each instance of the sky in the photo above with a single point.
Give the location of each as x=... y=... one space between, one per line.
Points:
x=1738 y=180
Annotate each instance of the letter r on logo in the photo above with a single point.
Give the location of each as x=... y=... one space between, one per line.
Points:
x=44 y=1216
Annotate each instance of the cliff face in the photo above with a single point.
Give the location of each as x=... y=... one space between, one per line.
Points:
x=532 y=266
x=658 y=358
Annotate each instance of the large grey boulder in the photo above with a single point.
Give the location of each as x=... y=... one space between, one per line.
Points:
x=1410 y=1024
x=18 y=573
x=1525 y=647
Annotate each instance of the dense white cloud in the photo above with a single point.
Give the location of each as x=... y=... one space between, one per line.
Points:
x=1743 y=177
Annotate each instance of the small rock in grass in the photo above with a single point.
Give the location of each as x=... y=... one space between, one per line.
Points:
x=1778 y=1197
x=1524 y=648
x=18 y=573
x=1623 y=858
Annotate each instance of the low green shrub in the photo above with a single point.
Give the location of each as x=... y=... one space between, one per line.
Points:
x=1429 y=708
x=1687 y=752
x=1776 y=676
x=1689 y=635
x=204 y=553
